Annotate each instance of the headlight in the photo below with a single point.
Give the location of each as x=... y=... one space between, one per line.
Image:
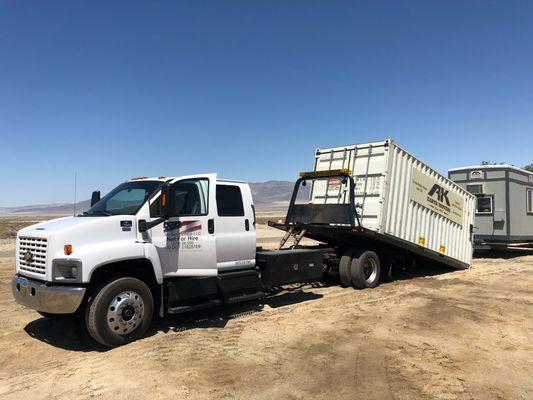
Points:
x=66 y=270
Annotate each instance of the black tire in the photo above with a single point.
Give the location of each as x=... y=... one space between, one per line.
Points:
x=102 y=303
x=344 y=268
x=365 y=270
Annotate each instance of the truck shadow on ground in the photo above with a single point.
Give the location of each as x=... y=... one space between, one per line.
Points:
x=219 y=317
x=68 y=333
x=64 y=332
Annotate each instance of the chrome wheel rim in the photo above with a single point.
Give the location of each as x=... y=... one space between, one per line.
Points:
x=125 y=312
x=370 y=270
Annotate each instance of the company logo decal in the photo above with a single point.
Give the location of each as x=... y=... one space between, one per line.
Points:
x=183 y=226
x=429 y=193
x=476 y=174
x=441 y=194
x=183 y=235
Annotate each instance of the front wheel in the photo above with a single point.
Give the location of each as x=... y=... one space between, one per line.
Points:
x=120 y=312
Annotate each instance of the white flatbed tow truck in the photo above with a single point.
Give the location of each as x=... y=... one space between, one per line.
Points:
x=171 y=245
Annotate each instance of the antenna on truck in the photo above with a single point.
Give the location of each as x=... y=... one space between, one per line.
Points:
x=75 y=189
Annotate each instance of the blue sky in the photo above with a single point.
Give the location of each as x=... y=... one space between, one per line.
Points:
x=249 y=89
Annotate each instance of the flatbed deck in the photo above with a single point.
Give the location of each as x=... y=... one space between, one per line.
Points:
x=340 y=236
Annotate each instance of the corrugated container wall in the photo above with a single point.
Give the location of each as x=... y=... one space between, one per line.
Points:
x=397 y=194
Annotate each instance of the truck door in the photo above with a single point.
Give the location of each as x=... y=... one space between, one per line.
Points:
x=234 y=227
x=186 y=241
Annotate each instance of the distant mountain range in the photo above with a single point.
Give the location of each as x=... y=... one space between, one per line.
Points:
x=270 y=195
x=46 y=209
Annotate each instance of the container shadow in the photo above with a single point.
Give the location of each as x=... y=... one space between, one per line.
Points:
x=420 y=271
x=504 y=254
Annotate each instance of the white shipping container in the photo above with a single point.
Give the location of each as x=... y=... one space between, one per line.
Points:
x=398 y=195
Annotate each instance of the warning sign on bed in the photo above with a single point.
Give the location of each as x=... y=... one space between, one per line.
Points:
x=184 y=235
x=334 y=184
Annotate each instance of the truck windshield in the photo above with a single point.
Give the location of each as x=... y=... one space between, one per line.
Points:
x=125 y=199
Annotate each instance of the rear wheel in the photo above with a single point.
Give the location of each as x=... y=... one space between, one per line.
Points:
x=365 y=270
x=120 y=312
x=344 y=268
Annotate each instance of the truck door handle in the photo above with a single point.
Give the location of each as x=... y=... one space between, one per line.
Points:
x=247 y=224
x=211 y=225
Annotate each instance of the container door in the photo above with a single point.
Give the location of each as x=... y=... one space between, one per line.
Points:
x=368 y=165
x=186 y=242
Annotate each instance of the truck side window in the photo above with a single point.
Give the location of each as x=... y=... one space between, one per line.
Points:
x=229 y=201
x=190 y=197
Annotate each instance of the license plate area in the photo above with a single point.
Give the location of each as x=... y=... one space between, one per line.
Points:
x=23 y=287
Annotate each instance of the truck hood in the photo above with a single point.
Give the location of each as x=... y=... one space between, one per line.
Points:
x=84 y=226
x=89 y=237
x=55 y=225
x=83 y=231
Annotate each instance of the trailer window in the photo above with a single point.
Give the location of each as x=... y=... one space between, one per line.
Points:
x=529 y=193
x=475 y=189
x=484 y=205
x=229 y=201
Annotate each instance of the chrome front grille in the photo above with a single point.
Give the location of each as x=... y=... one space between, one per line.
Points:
x=32 y=254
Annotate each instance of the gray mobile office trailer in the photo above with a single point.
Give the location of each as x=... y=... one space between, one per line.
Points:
x=504 y=204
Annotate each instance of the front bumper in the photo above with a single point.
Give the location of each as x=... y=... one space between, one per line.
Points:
x=53 y=299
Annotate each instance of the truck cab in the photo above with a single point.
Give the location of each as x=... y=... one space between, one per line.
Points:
x=115 y=262
x=210 y=227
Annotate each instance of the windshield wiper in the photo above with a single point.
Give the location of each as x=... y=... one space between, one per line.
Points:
x=96 y=212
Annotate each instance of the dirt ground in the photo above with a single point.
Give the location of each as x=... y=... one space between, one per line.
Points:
x=439 y=335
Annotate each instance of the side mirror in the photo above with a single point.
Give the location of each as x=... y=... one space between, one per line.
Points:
x=95 y=197
x=165 y=205
x=165 y=201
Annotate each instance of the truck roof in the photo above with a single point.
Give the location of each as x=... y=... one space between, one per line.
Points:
x=230 y=181
x=167 y=178
x=145 y=178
